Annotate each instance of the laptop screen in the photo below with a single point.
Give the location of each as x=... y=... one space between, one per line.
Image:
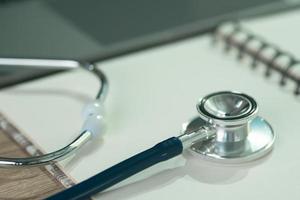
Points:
x=94 y=30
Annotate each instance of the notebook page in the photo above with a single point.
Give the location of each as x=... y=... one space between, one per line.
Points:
x=151 y=94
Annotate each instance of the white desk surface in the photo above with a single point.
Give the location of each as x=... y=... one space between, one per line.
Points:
x=151 y=94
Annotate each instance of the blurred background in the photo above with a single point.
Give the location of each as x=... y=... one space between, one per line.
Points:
x=96 y=30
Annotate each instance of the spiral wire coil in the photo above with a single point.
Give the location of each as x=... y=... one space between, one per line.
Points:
x=228 y=34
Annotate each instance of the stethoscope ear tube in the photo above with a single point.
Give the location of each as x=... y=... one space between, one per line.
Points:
x=162 y=151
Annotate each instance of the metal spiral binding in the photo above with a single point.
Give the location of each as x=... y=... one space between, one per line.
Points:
x=228 y=34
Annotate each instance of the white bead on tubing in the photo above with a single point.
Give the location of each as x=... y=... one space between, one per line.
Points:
x=93 y=114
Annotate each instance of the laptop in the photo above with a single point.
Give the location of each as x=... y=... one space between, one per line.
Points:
x=96 y=30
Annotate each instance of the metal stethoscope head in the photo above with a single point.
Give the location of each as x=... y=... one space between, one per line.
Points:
x=227 y=130
x=240 y=135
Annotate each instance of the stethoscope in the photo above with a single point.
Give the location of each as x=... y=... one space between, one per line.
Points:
x=227 y=130
x=93 y=112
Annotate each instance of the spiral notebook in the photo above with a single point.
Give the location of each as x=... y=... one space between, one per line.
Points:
x=153 y=92
x=235 y=36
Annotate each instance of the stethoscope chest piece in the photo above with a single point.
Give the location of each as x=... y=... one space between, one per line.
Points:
x=227 y=131
x=241 y=135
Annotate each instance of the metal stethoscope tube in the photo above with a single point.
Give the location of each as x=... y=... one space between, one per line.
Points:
x=93 y=111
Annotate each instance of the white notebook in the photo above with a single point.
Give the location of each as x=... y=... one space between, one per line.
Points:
x=152 y=93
